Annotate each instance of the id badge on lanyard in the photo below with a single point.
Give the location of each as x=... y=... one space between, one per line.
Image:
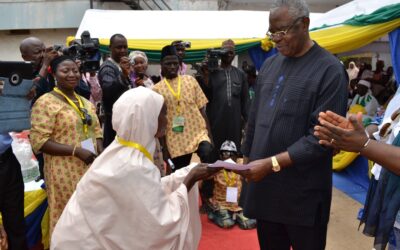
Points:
x=232 y=194
x=88 y=145
x=178 y=121
x=231 y=189
x=178 y=124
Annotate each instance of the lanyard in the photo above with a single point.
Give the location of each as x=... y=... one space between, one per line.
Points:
x=73 y=105
x=177 y=95
x=135 y=145
x=228 y=180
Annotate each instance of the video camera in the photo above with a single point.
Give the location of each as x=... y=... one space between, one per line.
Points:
x=15 y=83
x=86 y=50
x=213 y=57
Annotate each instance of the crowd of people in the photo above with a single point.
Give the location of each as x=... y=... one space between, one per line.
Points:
x=370 y=91
x=115 y=146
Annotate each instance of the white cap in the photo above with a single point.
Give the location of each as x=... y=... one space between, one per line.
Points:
x=228 y=146
x=365 y=83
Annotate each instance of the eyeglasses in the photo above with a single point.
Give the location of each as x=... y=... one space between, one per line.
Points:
x=387 y=127
x=228 y=153
x=280 y=34
x=87 y=118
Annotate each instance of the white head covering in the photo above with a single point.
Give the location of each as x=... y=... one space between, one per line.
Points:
x=135 y=54
x=352 y=72
x=228 y=146
x=135 y=116
x=365 y=83
x=121 y=202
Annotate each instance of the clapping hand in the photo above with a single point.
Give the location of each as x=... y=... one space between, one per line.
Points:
x=3 y=239
x=337 y=120
x=338 y=132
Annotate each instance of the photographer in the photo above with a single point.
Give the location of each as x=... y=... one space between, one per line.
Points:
x=33 y=50
x=227 y=91
x=181 y=51
x=87 y=55
x=114 y=80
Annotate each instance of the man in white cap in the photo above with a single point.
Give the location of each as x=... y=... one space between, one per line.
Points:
x=364 y=102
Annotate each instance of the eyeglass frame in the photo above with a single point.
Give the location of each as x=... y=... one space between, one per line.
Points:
x=228 y=153
x=283 y=33
x=87 y=120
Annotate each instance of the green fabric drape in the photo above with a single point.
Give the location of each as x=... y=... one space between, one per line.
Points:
x=381 y=15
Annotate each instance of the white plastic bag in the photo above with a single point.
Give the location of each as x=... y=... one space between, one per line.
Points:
x=23 y=152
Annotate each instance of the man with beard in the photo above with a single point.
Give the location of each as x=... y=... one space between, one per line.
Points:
x=114 y=81
x=187 y=127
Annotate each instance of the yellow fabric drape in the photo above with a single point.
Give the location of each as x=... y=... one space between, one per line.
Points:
x=346 y=38
x=343 y=159
x=32 y=200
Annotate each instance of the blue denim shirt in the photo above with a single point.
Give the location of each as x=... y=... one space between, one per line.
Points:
x=5 y=142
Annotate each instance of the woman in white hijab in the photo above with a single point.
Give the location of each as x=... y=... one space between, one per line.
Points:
x=352 y=71
x=121 y=202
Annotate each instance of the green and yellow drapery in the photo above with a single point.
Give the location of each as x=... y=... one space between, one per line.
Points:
x=358 y=31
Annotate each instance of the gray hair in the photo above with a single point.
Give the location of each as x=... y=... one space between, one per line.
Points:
x=296 y=8
x=135 y=54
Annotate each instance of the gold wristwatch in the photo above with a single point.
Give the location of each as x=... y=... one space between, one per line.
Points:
x=275 y=164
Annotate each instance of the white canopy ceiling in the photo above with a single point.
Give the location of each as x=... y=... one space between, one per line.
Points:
x=176 y=24
x=205 y=24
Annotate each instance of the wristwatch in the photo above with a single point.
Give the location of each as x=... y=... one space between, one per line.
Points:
x=275 y=164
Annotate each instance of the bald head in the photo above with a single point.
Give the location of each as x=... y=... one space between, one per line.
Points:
x=27 y=44
x=32 y=49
